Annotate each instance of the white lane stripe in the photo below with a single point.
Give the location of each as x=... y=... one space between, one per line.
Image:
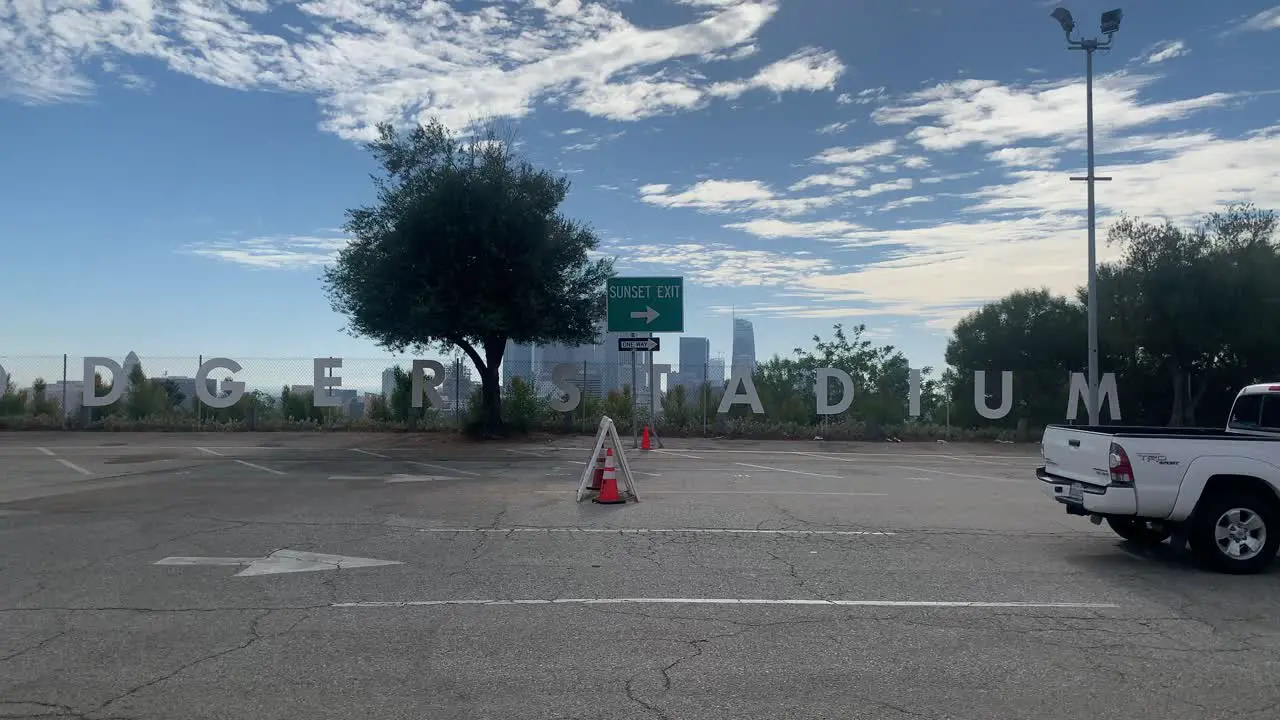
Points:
x=370 y=452
x=353 y=477
x=731 y=601
x=210 y=452
x=523 y=452
x=654 y=531
x=673 y=453
x=46 y=451
x=74 y=466
x=443 y=467
x=246 y=463
x=785 y=470
x=993 y=478
x=649 y=492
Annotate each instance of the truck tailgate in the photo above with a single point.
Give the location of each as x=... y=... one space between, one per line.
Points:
x=1077 y=455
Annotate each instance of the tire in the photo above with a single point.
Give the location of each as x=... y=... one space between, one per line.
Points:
x=1237 y=532
x=1138 y=531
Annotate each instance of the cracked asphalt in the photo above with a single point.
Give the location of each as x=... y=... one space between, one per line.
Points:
x=980 y=598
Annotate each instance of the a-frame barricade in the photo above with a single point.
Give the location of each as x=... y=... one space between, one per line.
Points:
x=607 y=436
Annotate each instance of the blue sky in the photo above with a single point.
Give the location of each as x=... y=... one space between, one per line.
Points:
x=174 y=173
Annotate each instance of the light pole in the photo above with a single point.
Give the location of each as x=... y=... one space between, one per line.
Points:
x=1110 y=26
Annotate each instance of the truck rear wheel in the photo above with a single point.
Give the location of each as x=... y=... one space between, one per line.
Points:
x=1237 y=532
x=1138 y=531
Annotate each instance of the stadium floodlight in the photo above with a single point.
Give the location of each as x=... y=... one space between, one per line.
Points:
x=1063 y=16
x=1110 y=26
x=1111 y=21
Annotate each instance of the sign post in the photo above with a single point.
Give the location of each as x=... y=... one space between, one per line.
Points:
x=644 y=305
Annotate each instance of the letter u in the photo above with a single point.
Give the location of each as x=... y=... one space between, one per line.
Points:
x=980 y=394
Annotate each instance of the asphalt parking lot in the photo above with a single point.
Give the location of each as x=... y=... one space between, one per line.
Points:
x=181 y=576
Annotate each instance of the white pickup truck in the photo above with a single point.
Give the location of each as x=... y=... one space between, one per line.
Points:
x=1216 y=491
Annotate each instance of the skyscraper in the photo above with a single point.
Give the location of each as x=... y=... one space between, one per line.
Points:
x=744 y=345
x=695 y=360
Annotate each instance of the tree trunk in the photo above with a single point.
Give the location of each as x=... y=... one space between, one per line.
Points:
x=490 y=401
x=1195 y=400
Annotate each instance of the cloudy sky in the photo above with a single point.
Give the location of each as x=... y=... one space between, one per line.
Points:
x=174 y=171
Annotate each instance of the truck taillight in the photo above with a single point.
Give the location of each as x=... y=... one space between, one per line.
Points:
x=1121 y=470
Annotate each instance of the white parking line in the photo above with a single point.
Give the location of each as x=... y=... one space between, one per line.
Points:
x=992 y=478
x=74 y=466
x=370 y=452
x=442 y=467
x=207 y=451
x=785 y=470
x=733 y=601
x=46 y=451
x=246 y=463
x=652 y=531
x=649 y=492
x=676 y=454
x=524 y=452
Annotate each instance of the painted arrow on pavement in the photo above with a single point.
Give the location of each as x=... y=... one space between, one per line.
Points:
x=281 y=561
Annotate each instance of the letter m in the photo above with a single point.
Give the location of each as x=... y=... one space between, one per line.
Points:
x=1107 y=394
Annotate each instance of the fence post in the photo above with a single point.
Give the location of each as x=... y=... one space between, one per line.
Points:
x=64 y=391
x=457 y=392
x=196 y=400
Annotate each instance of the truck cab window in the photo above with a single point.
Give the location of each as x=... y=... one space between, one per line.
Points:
x=1270 y=417
x=1247 y=412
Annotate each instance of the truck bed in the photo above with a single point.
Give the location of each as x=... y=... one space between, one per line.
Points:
x=1156 y=431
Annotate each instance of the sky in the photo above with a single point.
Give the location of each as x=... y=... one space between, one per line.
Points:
x=174 y=175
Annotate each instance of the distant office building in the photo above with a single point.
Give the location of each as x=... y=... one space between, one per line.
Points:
x=517 y=362
x=695 y=364
x=716 y=371
x=744 y=345
x=388 y=382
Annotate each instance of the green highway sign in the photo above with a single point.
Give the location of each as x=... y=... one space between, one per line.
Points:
x=646 y=304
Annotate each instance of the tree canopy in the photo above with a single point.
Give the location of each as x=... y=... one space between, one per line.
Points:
x=466 y=248
x=1186 y=318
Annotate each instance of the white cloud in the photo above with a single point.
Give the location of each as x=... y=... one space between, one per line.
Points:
x=835 y=127
x=1166 y=50
x=731 y=196
x=280 y=252
x=905 y=202
x=725 y=265
x=853 y=156
x=814 y=229
x=808 y=69
x=1265 y=20
x=1025 y=156
x=984 y=112
x=366 y=60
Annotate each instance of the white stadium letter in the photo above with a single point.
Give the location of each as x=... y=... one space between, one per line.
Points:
x=980 y=394
x=561 y=377
x=822 y=384
x=418 y=386
x=324 y=384
x=235 y=389
x=656 y=373
x=118 y=381
x=1106 y=393
x=741 y=376
x=4 y=380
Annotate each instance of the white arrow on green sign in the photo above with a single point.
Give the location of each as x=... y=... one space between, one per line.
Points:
x=645 y=304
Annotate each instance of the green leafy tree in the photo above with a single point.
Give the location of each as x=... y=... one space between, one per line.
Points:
x=1193 y=304
x=1038 y=336
x=466 y=248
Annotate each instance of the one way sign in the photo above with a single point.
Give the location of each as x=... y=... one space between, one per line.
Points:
x=650 y=344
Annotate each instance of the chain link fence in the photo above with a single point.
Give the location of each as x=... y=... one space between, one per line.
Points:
x=162 y=393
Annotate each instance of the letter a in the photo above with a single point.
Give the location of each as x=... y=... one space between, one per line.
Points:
x=980 y=394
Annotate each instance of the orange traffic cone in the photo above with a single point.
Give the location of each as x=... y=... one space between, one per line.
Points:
x=609 y=485
x=644 y=439
x=598 y=475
